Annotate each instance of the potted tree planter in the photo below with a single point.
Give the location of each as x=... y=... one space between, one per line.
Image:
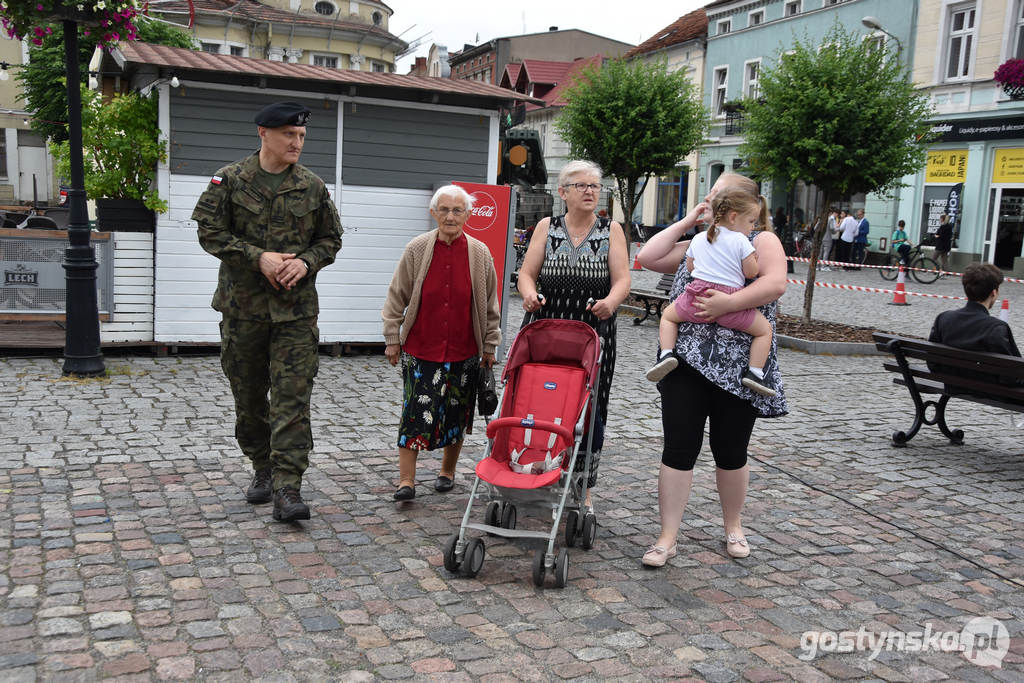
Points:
x=121 y=148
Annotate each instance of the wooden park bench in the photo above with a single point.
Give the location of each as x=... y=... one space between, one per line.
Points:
x=927 y=368
x=653 y=299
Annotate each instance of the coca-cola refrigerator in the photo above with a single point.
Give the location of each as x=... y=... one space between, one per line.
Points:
x=492 y=222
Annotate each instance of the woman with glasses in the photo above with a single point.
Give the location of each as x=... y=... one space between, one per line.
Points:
x=449 y=277
x=580 y=265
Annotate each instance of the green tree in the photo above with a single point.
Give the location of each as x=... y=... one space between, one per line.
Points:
x=842 y=115
x=46 y=97
x=121 y=146
x=634 y=119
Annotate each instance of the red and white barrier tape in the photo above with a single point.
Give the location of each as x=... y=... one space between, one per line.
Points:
x=877 y=290
x=950 y=273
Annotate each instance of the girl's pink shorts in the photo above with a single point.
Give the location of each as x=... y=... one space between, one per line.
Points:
x=737 y=320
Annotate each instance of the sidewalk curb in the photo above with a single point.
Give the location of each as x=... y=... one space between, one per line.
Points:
x=826 y=348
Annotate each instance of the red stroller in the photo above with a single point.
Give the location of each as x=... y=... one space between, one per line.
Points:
x=550 y=380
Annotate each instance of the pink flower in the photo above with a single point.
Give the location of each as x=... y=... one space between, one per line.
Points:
x=39 y=8
x=37 y=41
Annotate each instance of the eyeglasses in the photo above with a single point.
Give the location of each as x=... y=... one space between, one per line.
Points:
x=457 y=211
x=583 y=187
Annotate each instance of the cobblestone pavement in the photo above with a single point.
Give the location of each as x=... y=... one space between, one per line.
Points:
x=127 y=550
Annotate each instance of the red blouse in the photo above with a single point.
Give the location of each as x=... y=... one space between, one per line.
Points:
x=443 y=331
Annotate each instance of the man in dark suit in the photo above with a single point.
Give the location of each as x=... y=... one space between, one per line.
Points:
x=972 y=328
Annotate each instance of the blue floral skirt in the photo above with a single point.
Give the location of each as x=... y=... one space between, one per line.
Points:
x=438 y=402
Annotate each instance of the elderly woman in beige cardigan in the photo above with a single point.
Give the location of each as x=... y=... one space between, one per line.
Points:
x=441 y=320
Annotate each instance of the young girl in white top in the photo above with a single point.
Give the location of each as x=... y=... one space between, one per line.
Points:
x=721 y=258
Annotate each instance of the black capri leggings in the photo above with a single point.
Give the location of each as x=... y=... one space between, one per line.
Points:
x=688 y=400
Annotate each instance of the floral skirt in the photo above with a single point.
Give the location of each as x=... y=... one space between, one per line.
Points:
x=437 y=403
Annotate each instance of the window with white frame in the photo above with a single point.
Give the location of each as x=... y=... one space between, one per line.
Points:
x=3 y=153
x=720 y=83
x=330 y=61
x=875 y=41
x=325 y=8
x=212 y=48
x=791 y=8
x=755 y=18
x=1018 y=31
x=378 y=67
x=237 y=50
x=724 y=26
x=960 y=41
x=829 y=3
x=751 y=72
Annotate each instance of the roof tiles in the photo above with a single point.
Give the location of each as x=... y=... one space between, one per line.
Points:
x=687 y=27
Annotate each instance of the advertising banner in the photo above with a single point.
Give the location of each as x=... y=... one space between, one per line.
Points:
x=1009 y=165
x=490 y=222
x=946 y=166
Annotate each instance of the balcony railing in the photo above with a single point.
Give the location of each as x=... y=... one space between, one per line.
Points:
x=734 y=121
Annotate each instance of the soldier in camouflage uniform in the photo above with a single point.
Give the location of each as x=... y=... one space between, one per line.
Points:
x=273 y=226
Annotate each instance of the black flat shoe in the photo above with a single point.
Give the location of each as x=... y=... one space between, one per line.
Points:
x=405 y=493
x=443 y=484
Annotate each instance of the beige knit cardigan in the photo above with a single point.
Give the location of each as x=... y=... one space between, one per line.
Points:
x=403 y=301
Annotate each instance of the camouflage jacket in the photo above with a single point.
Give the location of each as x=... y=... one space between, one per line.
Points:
x=239 y=218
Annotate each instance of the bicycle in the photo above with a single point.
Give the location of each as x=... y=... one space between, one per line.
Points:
x=923 y=268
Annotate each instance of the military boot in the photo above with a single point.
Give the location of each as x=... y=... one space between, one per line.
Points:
x=259 y=490
x=288 y=505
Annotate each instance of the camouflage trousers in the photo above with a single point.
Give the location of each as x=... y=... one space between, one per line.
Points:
x=279 y=359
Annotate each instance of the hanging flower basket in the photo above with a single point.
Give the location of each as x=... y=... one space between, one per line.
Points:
x=31 y=19
x=1010 y=75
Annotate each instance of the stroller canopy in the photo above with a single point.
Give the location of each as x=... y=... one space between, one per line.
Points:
x=562 y=342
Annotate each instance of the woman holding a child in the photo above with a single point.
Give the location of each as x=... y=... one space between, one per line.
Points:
x=707 y=386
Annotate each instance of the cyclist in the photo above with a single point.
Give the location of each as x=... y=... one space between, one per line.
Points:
x=900 y=242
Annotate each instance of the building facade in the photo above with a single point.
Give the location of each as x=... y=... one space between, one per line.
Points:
x=745 y=36
x=681 y=44
x=340 y=34
x=975 y=168
x=23 y=154
x=487 y=61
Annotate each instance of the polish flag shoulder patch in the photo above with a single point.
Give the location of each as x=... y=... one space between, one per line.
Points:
x=216 y=180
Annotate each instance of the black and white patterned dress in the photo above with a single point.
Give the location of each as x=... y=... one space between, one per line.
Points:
x=569 y=276
x=721 y=354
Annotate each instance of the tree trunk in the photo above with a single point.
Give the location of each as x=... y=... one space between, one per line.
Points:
x=812 y=267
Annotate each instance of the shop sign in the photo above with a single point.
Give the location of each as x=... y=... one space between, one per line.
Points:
x=1009 y=165
x=946 y=166
x=979 y=129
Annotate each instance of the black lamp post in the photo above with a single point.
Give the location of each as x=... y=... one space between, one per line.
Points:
x=82 y=355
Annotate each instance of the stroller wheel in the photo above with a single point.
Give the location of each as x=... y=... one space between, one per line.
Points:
x=508 y=516
x=589 y=530
x=474 y=558
x=561 y=568
x=492 y=516
x=451 y=563
x=572 y=521
x=538 y=568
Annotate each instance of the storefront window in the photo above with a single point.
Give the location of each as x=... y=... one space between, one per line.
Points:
x=1010 y=229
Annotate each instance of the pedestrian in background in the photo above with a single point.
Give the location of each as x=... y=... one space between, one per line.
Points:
x=944 y=242
x=831 y=232
x=900 y=242
x=847 y=233
x=273 y=226
x=441 y=319
x=860 y=241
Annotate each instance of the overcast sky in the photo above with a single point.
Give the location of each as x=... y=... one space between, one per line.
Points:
x=455 y=22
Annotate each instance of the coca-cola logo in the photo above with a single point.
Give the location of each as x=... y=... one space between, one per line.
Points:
x=485 y=211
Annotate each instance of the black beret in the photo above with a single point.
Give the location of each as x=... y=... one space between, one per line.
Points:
x=283 y=114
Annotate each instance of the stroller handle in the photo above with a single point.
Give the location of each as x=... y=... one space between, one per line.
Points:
x=494 y=426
